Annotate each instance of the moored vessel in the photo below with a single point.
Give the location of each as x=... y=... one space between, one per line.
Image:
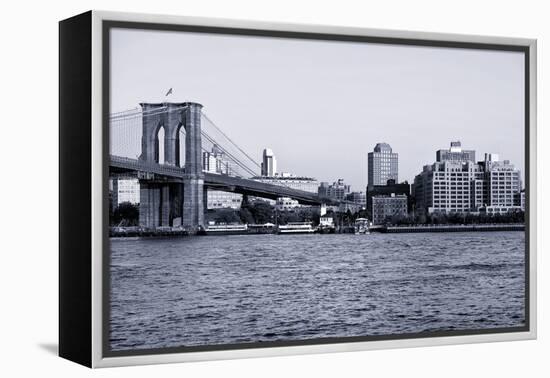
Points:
x=362 y=226
x=226 y=229
x=296 y=228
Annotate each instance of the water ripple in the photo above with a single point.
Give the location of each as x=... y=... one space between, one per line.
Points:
x=238 y=289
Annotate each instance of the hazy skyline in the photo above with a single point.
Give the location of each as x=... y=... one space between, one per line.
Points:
x=321 y=106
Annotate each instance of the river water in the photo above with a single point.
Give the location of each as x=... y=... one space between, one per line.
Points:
x=207 y=290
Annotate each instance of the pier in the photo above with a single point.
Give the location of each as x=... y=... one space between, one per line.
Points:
x=451 y=228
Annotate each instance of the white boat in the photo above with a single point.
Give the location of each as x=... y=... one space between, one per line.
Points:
x=296 y=228
x=226 y=229
x=362 y=226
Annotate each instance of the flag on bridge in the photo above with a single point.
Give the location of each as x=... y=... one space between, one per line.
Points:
x=168 y=93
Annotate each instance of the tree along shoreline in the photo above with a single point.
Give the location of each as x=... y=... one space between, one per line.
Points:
x=261 y=212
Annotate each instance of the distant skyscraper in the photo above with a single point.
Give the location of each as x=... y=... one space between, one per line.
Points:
x=269 y=163
x=382 y=165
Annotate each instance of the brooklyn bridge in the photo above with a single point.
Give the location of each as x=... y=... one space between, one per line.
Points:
x=162 y=145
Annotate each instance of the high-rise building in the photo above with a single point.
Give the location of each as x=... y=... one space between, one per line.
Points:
x=382 y=165
x=269 y=163
x=455 y=183
x=446 y=186
x=388 y=206
x=503 y=185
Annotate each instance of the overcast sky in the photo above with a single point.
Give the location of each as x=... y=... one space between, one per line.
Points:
x=321 y=106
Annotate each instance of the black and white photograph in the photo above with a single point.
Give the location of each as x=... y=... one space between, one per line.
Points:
x=272 y=189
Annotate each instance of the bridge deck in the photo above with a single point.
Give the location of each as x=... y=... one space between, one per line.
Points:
x=221 y=182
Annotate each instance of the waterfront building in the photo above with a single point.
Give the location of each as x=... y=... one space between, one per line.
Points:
x=269 y=163
x=388 y=188
x=337 y=190
x=455 y=183
x=385 y=207
x=125 y=189
x=478 y=193
x=503 y=182
x=286 y=204
x=216 y=199
x=382 y=165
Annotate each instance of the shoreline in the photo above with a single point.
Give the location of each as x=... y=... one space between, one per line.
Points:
x=454 y=228
x=162 y=232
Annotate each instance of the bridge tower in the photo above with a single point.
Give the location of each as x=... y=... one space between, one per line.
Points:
x=157 y=197
x=193 y=181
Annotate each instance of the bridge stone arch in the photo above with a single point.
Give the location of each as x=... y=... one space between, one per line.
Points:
x=160 y=144
x=168 y=116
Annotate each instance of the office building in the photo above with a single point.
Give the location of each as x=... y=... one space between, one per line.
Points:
x=388 y=188
x=503 y=185
x=386 y=207
x=455 y=183
x=269 y=163
x=382 y=165
x=216 y=199
x=286 y=204
x=446 y=186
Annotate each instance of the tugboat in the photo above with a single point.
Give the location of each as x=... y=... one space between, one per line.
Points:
x=296 y=228
x=362 y=226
